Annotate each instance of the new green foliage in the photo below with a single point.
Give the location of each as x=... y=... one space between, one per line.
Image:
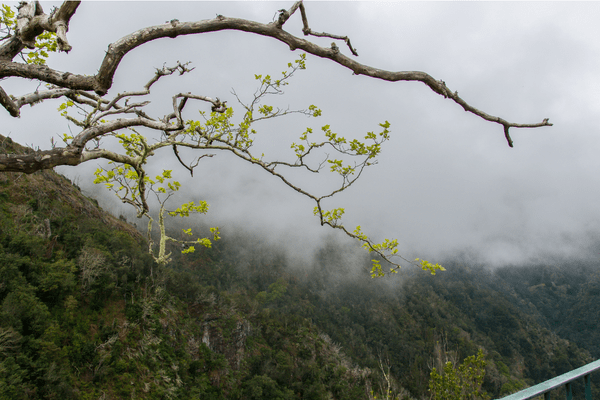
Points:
x=220 y=131
x=460 y=382
x=130 y=185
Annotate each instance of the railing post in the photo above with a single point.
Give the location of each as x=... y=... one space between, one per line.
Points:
x=569 y=388
x=588 y=387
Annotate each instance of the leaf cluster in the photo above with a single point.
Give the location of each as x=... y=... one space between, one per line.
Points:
x=45 y=42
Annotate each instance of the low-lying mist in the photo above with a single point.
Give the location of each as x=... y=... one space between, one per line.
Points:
x=267 y=220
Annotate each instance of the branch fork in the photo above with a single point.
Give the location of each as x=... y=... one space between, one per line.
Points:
x=32 y=21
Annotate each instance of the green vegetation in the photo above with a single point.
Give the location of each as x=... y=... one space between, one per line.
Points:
x=86 y=312
x=563 y=297
x=461 y=382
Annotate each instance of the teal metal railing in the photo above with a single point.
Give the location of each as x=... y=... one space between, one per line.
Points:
x=565 y=380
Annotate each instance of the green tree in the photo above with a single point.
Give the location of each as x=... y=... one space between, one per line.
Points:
x=22 y=310
x=459 y=382
x=275 y=292
x=263 y=387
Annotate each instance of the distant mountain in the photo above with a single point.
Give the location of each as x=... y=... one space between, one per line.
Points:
x=563 y=297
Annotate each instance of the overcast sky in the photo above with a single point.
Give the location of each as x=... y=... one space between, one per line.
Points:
x=447 y=181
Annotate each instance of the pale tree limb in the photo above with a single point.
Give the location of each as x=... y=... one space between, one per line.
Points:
x=102 y=81
x=36 y=97
x=32 y=21
x=74 y=153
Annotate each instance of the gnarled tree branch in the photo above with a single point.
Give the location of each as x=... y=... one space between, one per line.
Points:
x=102 y=81
x=32 y=21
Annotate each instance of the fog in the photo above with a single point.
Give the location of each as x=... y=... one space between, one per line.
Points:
x=447 y=182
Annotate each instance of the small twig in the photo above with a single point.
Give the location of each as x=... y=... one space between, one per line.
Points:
x=181 y=161
x=217 y=105
x=191 y=167
x=182 y=68
x=307 y=31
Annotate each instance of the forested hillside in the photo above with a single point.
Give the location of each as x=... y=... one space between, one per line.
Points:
x=563 y=296
x=86 y=314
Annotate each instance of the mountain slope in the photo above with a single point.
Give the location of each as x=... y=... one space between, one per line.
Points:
x=85 y=313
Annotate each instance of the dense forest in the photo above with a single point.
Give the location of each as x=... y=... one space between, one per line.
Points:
x=86 y=314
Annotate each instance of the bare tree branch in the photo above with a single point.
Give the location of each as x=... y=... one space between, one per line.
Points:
x=60 y=21
x=217 y=105
x=32 y=21
x=74 y=153
x=26 y=30
x=9 y=104
x=307 y=31
x=102 y=81
x=36 y=97
x=191 y=166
